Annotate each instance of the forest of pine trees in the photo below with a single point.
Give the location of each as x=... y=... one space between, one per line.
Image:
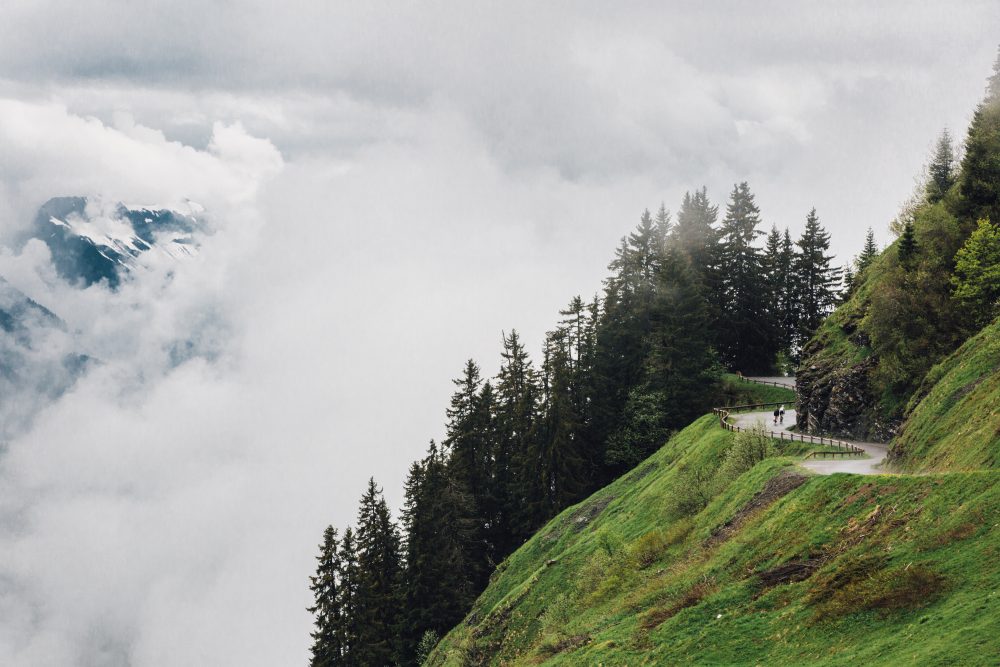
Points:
x=684 y=301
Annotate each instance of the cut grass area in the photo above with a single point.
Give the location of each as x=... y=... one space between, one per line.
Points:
x=779 y=567
x=953 y=421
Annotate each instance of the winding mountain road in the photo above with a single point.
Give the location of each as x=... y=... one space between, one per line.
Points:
x=866 y=466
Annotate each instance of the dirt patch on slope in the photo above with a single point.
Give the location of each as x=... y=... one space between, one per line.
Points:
x=775 y=489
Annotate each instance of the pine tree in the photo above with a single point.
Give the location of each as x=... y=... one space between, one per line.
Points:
x=377 y=602
x=663 y=226
x=868 y=253
x=907 y=246
x=745 y=333
x=980 y=174
x=438 y=525
x=516 y=413
x=776 y=278
x=788 y=304
x=348 y=629
x=327 y=650
x=848 y=283
x=817 y=281
x=470 y=456
x=696 y=237
x=941 y=171
x=680 y=371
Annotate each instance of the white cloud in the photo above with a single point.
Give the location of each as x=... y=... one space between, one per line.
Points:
x=388 y=188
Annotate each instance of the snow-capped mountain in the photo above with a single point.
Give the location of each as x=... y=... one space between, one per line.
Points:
x=38 y=360
x=90 y=243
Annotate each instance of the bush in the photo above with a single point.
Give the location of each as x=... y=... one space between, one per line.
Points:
x=426 y=645
x=749 y=448
x=649 y=548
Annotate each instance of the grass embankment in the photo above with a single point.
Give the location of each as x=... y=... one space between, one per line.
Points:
x=953 y=421
x=773 y=567
x=735 y=391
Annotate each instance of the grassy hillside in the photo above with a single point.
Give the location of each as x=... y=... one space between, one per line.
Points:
x=735 y=391
x=954 y=419
x=775 y=566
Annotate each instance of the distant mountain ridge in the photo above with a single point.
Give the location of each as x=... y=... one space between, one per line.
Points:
x=89 y=244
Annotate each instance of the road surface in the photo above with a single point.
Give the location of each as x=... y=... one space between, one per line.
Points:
x=866 y=466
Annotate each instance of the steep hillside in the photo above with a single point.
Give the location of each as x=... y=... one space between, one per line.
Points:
x=954 y=419
x=774 y=567
x=912 y=307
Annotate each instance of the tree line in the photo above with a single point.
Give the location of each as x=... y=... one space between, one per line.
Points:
x=686 y=298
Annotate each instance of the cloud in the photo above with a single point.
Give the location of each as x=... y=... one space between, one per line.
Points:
x=387 y=188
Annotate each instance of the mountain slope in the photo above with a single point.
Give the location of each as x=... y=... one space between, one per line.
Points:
x=780 y=567
x=89 y=245
x=953 y=420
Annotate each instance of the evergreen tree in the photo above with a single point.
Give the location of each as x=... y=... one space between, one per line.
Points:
x=516 y=413
x=326 y=649
x=470 y=458
x=907 y=246
x=980 y=175
x=745 y=333
x=788 y=300
x=348 y=630
x=848 y=283
x=868 y=253
x=696 y=237
x=377 y=603
x=680 y=373
x=438 y=525
x=777 y=266
x=817 y=281
x=663 y=226
x=941 y=171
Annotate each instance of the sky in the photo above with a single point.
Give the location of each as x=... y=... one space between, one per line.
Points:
x=389 y=186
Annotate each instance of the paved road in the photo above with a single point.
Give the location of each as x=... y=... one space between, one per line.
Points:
x=867 y=466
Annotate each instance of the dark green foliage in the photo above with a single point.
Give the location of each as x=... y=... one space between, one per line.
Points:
x=439 y=521
x=941 y=171
x=516 y=414
x=907 y=247
x=816 y=281
x=327 y=649
x=680 y=374
x=470 y=458
x=377 y=600
x=745 y=332
x=617 y=376
x=980 y=174
x=868 y=253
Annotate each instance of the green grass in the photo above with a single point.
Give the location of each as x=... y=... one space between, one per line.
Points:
x=738 y=392
x=883 y=570
x=953 y=421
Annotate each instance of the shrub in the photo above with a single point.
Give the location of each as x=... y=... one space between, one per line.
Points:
x=749 y=448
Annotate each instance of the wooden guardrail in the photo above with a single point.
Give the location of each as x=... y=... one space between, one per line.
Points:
x=766 y=383
x=844 y=448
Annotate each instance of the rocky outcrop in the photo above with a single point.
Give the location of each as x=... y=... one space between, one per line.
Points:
x=835 y=397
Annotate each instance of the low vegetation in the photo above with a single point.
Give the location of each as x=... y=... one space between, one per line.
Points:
x=776 y=568
x=954 y=419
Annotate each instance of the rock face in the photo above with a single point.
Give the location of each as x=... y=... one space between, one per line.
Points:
x=835 y=397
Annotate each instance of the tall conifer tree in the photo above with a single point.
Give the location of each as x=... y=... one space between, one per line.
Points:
x=377 y=603
x=817 y=281
x=325 y=586
x=745 y=335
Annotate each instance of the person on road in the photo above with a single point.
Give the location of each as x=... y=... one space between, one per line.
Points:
x=776 y=413
x=781 y=414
